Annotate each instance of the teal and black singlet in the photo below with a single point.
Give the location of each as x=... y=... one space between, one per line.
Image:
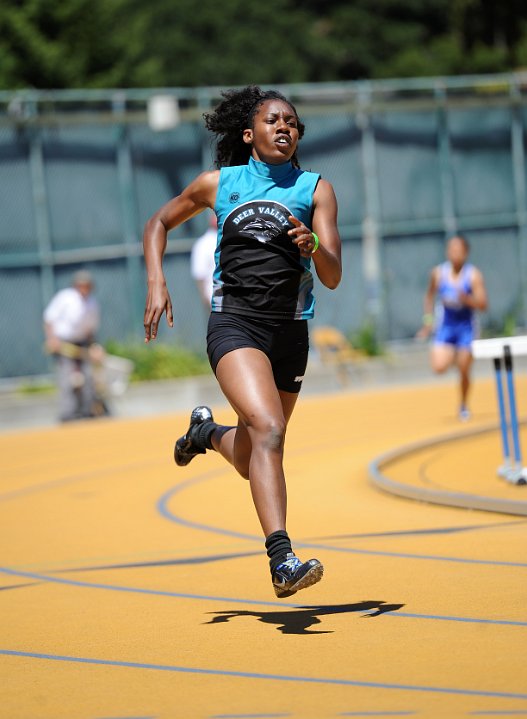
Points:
x=259 y=271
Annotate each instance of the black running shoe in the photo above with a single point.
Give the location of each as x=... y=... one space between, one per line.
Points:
x=292 y=575
x=186 y=449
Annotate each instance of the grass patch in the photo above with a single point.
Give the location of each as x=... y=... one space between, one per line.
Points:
x=507 y=328
x=366 y=339
x=41 y=387
x=159 y=361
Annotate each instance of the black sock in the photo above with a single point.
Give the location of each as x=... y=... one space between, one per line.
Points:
x=202 y=434
x=278 y=546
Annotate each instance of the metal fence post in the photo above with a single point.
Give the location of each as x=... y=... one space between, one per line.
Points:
x=40 y=202
x=518 y=160
x=371 y=239
x=448 y=207
x=135 y=277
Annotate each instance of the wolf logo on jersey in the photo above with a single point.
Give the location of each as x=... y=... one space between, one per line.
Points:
x=261 y=268
x=261 y=220
x=263 y=230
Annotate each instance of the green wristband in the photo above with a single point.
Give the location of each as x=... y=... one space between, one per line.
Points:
x=315 y=246
x=428 y=320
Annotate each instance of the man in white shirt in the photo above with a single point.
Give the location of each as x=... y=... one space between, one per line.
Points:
x=202 y=262
x=71 y=320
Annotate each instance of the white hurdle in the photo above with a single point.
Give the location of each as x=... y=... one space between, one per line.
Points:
x=502 y=350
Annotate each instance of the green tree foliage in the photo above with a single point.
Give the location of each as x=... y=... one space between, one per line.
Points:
x=215 y=43
x=49 y=44
x=130 y=43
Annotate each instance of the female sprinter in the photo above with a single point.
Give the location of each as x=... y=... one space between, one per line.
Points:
x=460 y=288
x=274 y=221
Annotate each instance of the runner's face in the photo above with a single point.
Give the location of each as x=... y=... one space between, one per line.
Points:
x=274 y=135
x=457 y=252
x=84 y=288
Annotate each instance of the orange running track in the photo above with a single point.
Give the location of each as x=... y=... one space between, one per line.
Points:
x=132 y=588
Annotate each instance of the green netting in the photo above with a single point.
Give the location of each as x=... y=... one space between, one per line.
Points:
x=78 y=181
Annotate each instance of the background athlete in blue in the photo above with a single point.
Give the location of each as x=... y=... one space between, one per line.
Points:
x=460 y=291
x=257 y=336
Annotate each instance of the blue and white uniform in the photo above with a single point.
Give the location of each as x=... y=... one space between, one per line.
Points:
x=455 y=322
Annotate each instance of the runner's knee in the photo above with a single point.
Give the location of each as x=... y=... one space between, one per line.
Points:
x=267 y=432
x=439 y=366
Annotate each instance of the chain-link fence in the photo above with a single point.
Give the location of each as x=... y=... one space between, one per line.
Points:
x=411 y=162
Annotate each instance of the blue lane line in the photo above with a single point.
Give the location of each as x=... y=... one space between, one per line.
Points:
x=162 y=507
x=141 y=590
x=434 y=530
x=376 y=713
x=237 y=600
x=407 y=555
x=447 y=618
x=248 y=716
x=258 y=675
x=203 y=559
x=165 y=512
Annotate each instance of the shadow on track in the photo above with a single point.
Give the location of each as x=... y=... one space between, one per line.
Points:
x=298 y=621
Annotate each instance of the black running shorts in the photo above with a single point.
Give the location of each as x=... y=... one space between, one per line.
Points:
x=286 y=344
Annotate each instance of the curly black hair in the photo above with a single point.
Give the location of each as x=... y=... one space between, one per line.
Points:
x=234 y=114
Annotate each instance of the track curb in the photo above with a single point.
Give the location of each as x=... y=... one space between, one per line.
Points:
x=377 y=476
